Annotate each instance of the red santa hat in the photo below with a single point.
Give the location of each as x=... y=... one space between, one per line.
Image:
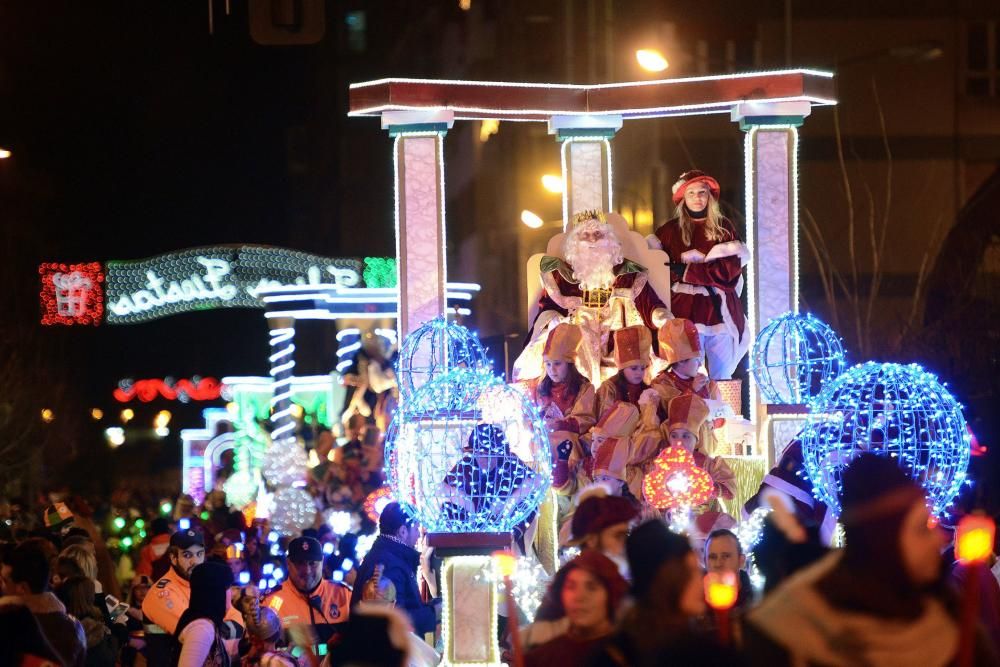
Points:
x=689 y=178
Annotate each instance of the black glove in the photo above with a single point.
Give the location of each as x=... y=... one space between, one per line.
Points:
x=563 y=450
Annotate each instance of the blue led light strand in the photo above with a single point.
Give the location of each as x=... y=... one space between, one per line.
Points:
x=903 y=412
x=794 y=357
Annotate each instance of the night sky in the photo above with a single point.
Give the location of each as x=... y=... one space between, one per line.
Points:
x=135 y=132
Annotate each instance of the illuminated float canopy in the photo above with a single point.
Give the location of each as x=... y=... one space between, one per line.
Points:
x=477 y=100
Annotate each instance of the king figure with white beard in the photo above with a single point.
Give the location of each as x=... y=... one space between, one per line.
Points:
x=595 y=286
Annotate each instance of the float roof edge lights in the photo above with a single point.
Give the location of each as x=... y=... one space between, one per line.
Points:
x=476 y=100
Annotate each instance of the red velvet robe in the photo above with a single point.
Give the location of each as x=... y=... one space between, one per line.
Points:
x=708 y=293
x=645 y=303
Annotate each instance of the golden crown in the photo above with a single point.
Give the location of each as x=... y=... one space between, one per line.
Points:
x=589 y=214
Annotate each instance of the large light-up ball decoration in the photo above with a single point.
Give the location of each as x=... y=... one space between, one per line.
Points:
x=467 y=453
x=893 y=410
x=675 y=482
x=794 y=357
x=433 y=348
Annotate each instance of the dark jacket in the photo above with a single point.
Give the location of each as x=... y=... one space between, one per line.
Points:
x=63 y=632
x=400 y=563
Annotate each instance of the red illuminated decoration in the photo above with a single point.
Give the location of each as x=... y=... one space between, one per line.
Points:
x=195 y=389
x=376 y=502
x=72 y=293
x=675 y=481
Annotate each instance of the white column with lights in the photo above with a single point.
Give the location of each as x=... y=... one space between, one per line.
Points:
x=421 y=262
x=772 y=217
x=586 y=161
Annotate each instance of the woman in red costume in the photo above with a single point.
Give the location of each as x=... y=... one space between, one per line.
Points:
x=706 y=271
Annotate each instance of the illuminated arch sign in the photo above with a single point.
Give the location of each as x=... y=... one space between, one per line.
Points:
x=215 y=277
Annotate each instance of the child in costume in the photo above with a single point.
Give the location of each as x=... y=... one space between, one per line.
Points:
x=619 y=452
x=686 y=416
x=679 y=346
x=564 y=398
x=632 y=346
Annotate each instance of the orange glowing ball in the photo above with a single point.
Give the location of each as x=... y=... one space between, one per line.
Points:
x=974 y=539
x=721 y=590
x=675 y=481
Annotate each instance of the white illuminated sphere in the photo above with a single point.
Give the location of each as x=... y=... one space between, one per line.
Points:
x=794 y=357
x=430 y=465
x=898 y=411
x=434 y=348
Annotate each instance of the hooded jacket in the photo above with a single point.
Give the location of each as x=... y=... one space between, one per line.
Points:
x=401 y=564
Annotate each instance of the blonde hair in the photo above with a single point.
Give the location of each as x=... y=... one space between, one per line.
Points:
x=714 y=231
x=81 y=556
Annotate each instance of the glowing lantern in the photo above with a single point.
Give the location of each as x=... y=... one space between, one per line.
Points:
x=974 y=541
x=721 y=590
x=675 y=481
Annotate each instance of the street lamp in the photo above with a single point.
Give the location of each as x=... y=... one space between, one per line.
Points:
x=4 y=153
x=531 y=219
x=651 y=60
x=553 y=183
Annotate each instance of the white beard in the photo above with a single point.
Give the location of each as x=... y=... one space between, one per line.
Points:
x=593 y=263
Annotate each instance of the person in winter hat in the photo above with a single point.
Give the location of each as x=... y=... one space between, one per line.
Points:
x=878 y=601
x=588 y=591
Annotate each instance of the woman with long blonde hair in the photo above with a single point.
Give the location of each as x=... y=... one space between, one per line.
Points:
x=706 y=260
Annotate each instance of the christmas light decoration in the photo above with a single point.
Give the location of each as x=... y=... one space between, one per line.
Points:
x=294 y=511
x=380 y=272
x=364 y=545
x=468 y=453
x=434 y=348
x=529 y=582
x=675 y=482
x=376 y=502
x=195 y=389
x=342 y=522
x=794 y=356
x=749 y=533
x=465 y=573
x=241 y=488
x=530 y=112
x=902 y=412
x=753 y=220
x=214 y=277
x=71 y=293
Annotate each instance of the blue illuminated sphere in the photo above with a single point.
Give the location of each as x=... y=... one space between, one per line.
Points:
x=467 y=453
x=898 y=411
x=794 y=356
x=432 y=349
